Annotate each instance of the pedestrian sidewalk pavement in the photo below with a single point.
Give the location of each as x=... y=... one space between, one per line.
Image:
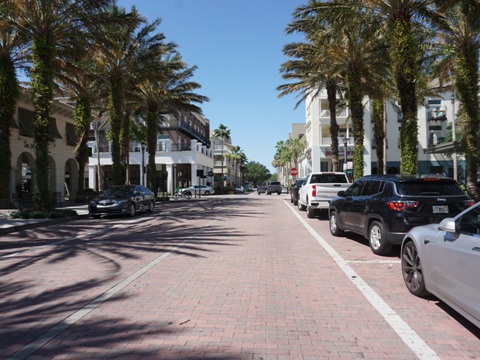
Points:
x=8 y=224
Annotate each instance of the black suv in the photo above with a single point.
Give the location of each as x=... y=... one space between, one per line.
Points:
x=383 y=208
x=294 y=191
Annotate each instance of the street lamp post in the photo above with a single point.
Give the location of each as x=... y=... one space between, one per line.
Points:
x=345 y=143
x=142 y=173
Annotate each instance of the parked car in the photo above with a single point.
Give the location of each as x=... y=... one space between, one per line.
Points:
x=200 y=190
x=269 y=187
x=444 y=260
x=123 y=199
x=239 y=189
x=383 y=208
x=248 y=188
x=294 y=190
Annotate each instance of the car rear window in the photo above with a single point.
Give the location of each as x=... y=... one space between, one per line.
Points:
x=274 y=182
x=426 y=188
x=329 y=179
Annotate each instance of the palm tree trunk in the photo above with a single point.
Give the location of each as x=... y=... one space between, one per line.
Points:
x=43 y=53
x=8 y=98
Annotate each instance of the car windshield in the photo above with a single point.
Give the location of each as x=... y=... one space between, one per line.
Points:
x=429 y=188
x=118 y=191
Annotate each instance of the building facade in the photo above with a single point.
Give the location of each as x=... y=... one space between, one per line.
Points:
x=435 y=121
x=183 y=155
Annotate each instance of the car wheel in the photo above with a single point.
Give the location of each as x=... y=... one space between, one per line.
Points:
x=151 y=206
x=295 y=202
x=133 y=210
x=269 y=193
x=333 y=225
x=377 y=241
x=310 y=212
x=291 y=199
x=206 y=193
x=278 y=193
x=412 y=270
x=258 y=192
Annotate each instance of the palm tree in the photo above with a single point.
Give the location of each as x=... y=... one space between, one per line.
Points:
x=116 y=55
x=352 y=33
x=12 y=56
x=166 y=89
x=313 y=68
x=50 y=26
x=460 y=42
x=222 y=132
x=403 y=20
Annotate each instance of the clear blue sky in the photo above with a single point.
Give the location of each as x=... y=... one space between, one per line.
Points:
x=237 y=46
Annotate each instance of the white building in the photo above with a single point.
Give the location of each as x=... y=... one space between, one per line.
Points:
x=183 y=156
x=433 y=122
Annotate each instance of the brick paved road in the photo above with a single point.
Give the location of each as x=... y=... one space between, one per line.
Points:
x=238 y=277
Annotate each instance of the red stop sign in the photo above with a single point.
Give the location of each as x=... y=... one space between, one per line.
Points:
x=293 y=171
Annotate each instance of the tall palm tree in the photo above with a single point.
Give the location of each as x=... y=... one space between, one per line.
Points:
x=167 y=89
x=12 y=57
x=404 y=20
x=313 y=68
x=222 y=132
x=353 y=34
x=460 y=42
x=116 y=56
x=50 y=26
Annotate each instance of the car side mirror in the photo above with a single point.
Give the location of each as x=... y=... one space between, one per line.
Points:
x=447 y=225
x=341 y=193
x=137 y=193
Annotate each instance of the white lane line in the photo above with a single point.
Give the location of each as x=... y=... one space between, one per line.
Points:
x=406 y=333
x=56 y=330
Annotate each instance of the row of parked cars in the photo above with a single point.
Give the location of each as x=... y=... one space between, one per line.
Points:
x=436 y=224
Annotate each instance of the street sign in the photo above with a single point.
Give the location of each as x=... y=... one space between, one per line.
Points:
x=210 y=173
x=293 y=171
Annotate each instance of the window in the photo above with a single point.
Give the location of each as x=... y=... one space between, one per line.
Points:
x=372 y=187
x=355 y=189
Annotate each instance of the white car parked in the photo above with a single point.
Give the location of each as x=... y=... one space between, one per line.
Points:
x=200 y=190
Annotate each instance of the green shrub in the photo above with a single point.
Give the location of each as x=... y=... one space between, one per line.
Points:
x=35 y=214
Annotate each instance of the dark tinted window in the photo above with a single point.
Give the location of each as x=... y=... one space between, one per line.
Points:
x=429 y=188
x=274 y=182
x=355 y=189
x=328 y=179
x=372 y=187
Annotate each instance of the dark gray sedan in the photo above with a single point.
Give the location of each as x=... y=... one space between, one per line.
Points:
x=123 y=200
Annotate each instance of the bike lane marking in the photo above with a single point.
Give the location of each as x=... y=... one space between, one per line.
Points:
x=56 y=330
x=406 y=333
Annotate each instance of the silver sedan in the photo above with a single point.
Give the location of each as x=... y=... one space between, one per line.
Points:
x=444 y=260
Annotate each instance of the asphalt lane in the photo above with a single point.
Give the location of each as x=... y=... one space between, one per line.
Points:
x=233 y=277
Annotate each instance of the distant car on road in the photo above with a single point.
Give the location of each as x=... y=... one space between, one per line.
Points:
x=444 y=260
x=200 y=190
x=123 y=199
x=239 y=189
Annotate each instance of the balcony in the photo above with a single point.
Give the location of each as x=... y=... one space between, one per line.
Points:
x=187 y=129
x=326 y=114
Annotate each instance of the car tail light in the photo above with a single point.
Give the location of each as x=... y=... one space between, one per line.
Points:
x=469 y=203
x=314 y=191
x=402 y=205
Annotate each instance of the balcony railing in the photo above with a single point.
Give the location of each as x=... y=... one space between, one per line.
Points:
x=326 y=114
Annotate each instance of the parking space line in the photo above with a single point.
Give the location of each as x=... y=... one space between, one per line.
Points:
x=404 y=331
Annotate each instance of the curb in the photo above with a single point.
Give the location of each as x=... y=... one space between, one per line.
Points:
x=40 y=222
